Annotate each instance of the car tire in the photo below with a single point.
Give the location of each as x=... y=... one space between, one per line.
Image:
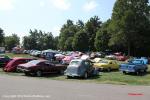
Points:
x=145 y=71
x=124 y=72
x=109 y=69
x=138 y=72
x=68 y=77
x=61 y=72
x=27 y=74
x=39 y=73
x=86 y=75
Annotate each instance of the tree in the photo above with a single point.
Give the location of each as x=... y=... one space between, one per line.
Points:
x=39 y=40
x=1 y=37
x=11 y=41
x=68 y=44
x=129 y=24
x=102 y=37
x=67 y=31
x=91 y=28
x=80 y=41
x=56 y=41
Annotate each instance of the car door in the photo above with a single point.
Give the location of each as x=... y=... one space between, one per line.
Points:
x=46 y=66
x=114 y=65
x=88 y=66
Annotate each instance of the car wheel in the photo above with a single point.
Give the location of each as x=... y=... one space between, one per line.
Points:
x=39 y=73
x=109 y=69
x=124 y=72
x=86 y=75
x=27 y=74
x=61 y=72
x=68 y=77
x=145 y=71
x=138 y=72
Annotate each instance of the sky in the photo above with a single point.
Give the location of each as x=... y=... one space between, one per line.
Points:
x=19 y=16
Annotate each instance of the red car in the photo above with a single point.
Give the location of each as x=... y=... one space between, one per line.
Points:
x=120 y=57
x=39 y=67
x=12 y=65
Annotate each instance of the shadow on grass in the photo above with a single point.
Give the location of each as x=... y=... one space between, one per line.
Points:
x=140 y=74
x=106 y=71
x=63 y=77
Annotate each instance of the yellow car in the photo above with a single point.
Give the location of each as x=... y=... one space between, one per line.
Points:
x=106 y=65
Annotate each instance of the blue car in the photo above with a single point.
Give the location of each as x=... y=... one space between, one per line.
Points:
x=80 y=68
x=145 y=60
x=134 y=66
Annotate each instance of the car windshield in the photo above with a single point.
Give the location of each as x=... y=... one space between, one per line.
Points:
x=34 y=62
x=105 y=62
x=136 y=61
x=75 y=63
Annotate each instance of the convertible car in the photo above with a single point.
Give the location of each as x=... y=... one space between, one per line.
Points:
x=80 y=68
x=106 y=65
x=39 y=67
x=134 y=66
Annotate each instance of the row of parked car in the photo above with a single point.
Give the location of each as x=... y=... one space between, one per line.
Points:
x=48 y=54
x=80 y=65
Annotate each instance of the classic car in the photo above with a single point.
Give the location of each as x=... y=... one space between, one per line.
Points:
x=59 y=57
x=96 y=60
x=67 y=59
x=121 y=58
x=4 y=59
x=134 y=66
x=80 y=68
x=39 y=67
x=145 y=59
x=106 y=65
x=12 y=65
x=110 y=57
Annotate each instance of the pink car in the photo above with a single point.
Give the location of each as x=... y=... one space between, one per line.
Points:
x=12 y=65
x=67 y=59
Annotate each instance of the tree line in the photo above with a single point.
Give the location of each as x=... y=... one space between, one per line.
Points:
x=128 y=31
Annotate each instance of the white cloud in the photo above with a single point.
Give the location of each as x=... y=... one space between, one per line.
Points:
x=6 y=5
x=42 y=3
x=61 y=4
x=90 y=5
x=56 y=30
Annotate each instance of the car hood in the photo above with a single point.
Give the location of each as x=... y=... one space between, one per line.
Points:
x=126 y=65
x=25 y=65
x=100 y=64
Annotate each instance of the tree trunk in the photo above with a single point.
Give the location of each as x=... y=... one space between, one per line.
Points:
x=129 y=48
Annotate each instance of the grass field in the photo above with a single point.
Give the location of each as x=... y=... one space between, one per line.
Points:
x=11 y=55
x=115 y=77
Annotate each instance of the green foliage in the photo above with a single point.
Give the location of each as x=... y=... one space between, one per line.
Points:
x=38 y=40
x=130 y=24
x=102 y=37
x=70 y=33
x=67 y=32
x=91 y=28
x=11 y=41
x=1 y=37
x=80 y=41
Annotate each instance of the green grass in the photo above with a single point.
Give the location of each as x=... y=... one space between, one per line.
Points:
x=11 y=55
x=104 y=77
